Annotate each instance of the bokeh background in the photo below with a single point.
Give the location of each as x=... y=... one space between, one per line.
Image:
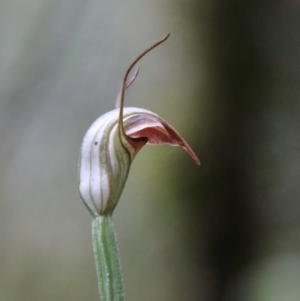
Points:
x=228 y=79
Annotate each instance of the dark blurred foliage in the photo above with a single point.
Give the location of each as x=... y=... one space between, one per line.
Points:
x=245 y=202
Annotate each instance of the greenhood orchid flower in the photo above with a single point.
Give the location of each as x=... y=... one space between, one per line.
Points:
x=112 y=142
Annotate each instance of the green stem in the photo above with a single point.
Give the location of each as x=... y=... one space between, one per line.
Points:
x=110 y=281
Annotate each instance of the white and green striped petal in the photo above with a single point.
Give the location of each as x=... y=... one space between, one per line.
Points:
x=104 y=164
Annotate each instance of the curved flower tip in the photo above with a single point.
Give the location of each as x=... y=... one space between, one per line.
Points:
x=111 y=143
x=149 y=127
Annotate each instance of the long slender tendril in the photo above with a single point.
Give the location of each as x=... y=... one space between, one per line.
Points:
x=126 y=84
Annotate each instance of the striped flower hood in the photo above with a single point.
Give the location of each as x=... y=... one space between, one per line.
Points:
x=110 y=145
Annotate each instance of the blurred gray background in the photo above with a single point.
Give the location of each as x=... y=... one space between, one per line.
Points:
x=228 y=80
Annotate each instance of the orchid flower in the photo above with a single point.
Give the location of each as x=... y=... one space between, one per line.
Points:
x=107 y=151
x=112 y=142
